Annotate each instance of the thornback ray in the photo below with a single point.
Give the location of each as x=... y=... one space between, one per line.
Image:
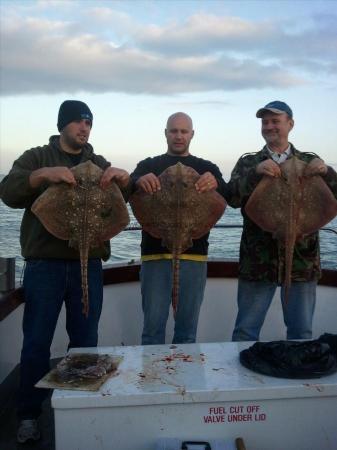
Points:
x=84 y=214
x=177 y=213
x=291 y=207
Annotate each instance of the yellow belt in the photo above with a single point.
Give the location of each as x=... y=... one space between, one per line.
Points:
x=169 y=256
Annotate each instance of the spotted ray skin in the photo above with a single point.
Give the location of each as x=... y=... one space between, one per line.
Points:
x=290 y=207
x=177 y=214
x=84 y=214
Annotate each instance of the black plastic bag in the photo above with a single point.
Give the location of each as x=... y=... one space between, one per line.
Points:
x=292 y=359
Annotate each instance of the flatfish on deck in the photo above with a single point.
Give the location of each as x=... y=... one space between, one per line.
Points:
x=81 y=371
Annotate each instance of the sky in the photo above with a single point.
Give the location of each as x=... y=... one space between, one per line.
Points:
x=136 y=62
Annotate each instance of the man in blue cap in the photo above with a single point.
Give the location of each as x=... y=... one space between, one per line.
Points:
x=260 y=261
x=52 y=272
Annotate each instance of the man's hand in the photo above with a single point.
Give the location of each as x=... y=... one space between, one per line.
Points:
x=51 y=175
x=120 y=176
x=206 y=182
x=316 y=167
x=268 y=167
x=149 y=183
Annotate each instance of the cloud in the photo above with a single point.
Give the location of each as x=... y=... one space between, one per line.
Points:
x=315 y=39
x=204 y=33
x=205 y=53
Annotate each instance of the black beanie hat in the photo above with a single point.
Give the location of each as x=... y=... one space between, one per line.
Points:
x=71 y=110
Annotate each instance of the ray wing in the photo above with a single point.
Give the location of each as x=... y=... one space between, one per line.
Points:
x=319 y=206
x=268 y=205
x=50 y=208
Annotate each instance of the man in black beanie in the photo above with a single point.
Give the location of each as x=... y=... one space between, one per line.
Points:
x=70 y=110
x=52 y=272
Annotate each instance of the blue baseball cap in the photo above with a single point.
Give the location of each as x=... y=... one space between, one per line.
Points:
x=275 y=107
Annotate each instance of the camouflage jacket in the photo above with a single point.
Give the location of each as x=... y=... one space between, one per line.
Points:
x=261 y=256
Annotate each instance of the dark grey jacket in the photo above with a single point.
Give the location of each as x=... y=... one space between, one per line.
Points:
x=16 y=192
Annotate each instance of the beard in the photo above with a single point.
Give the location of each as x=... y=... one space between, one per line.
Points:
x=178 y=150
x=74 y=143
x=271 y=138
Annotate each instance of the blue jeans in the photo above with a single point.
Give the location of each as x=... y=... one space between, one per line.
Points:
x=254 y=299
x=156 y=284
x=47 y=283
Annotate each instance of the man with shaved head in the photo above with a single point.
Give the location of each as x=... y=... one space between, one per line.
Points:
x=156 y=270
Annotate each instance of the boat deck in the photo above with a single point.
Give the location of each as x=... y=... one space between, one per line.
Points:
x=8 y=420
x=122 y=306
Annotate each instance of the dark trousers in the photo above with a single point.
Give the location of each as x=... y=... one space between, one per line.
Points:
x=47 y=284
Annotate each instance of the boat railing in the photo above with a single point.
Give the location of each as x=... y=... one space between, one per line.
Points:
x=134 y=226
x=129 y=271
